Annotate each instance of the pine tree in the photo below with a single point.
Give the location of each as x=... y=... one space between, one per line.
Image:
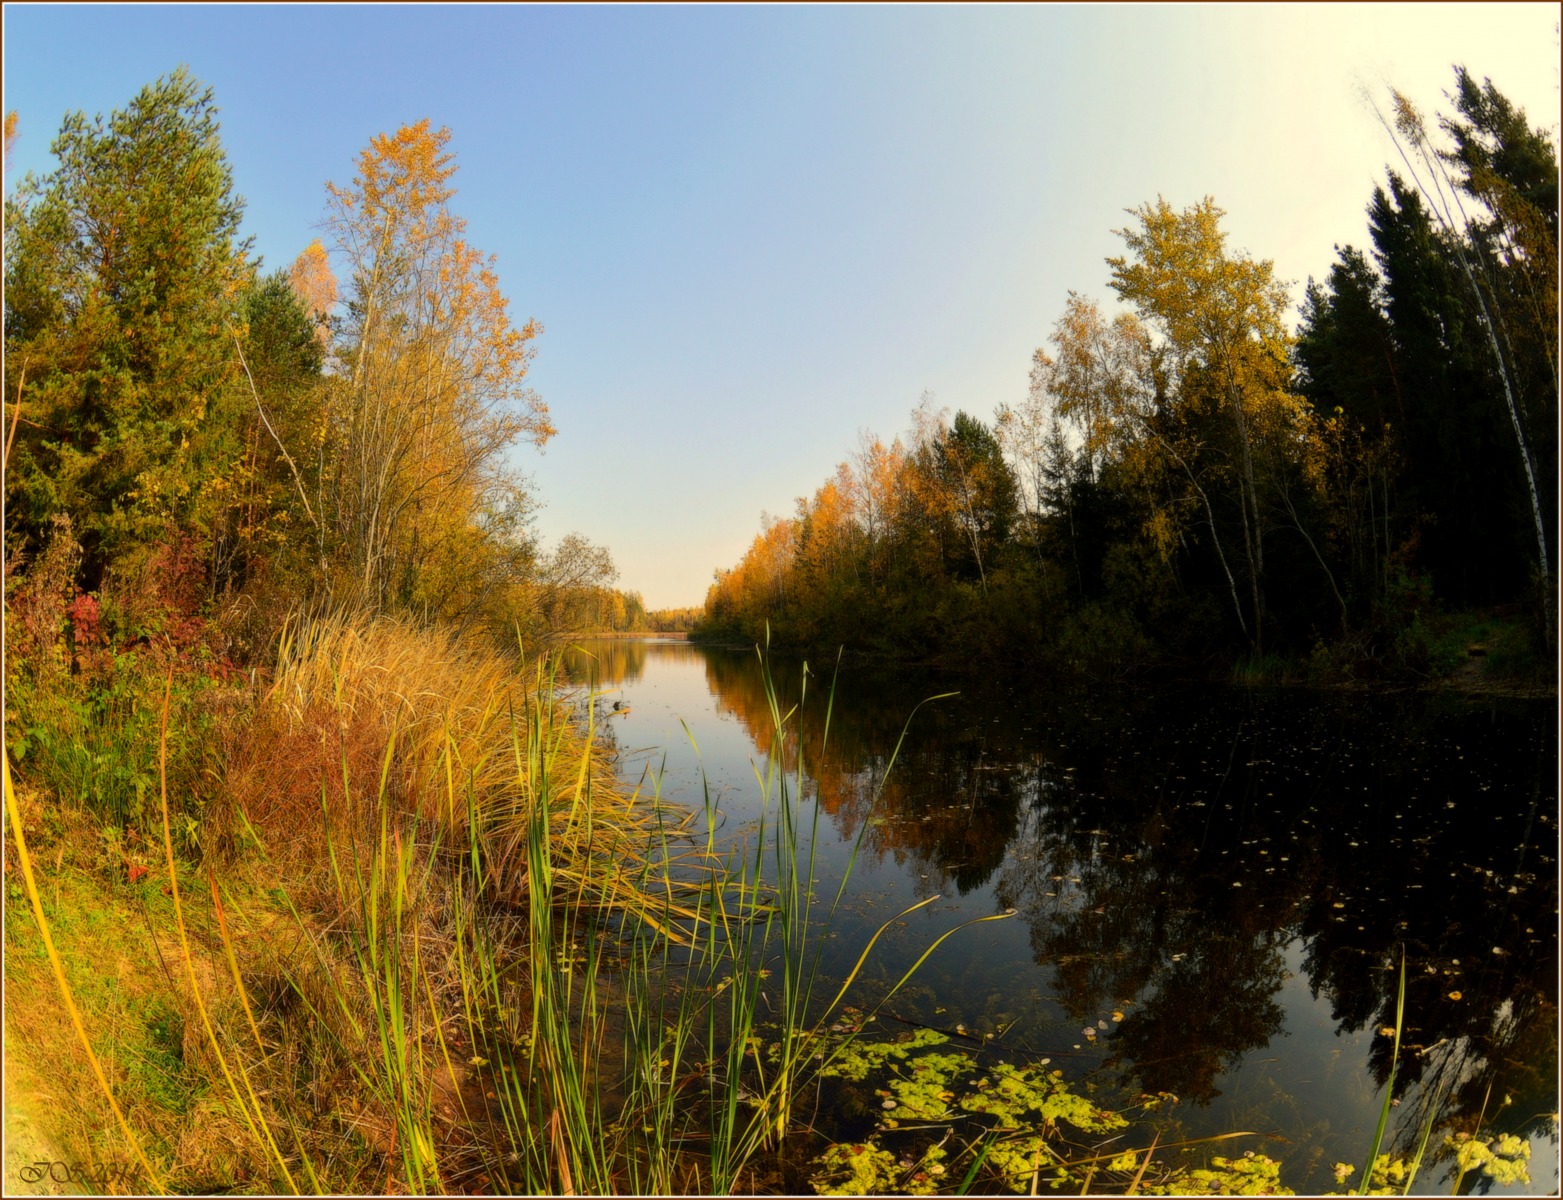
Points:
x=123 y=270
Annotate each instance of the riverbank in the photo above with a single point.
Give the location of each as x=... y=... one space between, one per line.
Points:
x=1480 y=652
x=302 y=976
x=679 y=635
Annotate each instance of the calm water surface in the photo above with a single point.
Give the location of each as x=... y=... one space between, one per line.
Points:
x=1217 y=882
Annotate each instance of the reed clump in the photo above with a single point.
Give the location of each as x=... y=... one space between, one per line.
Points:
x=446 y=730
x=411 y=829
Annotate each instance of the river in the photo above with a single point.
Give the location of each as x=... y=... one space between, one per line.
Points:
x=1211 y=886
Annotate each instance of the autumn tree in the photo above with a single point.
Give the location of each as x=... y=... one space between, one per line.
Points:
x=568 y=590
x=877 y=486
x=314 y=283
x=1220 y=317
x=432 y=385
x=964 y=490
x=1090 y=430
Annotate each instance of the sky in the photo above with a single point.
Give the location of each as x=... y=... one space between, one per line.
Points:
x=751 y=232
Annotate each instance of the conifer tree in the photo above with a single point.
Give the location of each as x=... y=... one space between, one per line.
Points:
x=124 y=268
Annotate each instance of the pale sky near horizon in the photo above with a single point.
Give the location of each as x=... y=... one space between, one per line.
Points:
x=750 y=232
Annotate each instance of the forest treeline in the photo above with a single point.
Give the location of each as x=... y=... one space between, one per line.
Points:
x=196 y=446
x=1189 y=481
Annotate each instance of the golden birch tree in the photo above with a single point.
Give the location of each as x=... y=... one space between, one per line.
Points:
x=1220 y=316
x=432 y=382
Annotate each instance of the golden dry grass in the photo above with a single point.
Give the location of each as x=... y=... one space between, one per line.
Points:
x=460 y=733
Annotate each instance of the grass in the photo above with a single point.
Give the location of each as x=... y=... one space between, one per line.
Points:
x=439 y=962
x=1502 y=1158
x=313 y=935
x=1260 y=670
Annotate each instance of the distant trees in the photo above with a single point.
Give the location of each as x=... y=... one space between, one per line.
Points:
x=1187 y=476
x=674 y=620
x=892 y=536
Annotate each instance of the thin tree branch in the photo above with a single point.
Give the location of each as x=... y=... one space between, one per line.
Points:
x=266 y=421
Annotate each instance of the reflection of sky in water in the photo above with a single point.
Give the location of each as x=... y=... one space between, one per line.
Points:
x=990 y=796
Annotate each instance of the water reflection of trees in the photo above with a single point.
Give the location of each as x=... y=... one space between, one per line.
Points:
x=607 y=663
x=948 y=808
x=1166 y=851
x=1218 y=836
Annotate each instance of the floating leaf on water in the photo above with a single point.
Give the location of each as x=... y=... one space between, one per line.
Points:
x=1456 y=996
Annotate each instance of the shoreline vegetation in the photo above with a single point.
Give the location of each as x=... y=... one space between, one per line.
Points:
x=1466 y=663
x=318 y=879
x=674 y=635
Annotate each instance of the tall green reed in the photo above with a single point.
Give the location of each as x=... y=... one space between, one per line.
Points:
x=729 y=1024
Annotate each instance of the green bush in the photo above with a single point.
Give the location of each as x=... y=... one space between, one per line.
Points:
x=93 y=740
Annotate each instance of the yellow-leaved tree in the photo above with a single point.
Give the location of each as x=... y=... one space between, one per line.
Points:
x=431 y=389
x=313 y=280
x=1227 y=351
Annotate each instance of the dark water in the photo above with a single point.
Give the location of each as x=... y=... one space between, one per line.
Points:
x=1218 y=882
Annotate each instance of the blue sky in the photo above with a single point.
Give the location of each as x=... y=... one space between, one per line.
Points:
x=751 y=232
